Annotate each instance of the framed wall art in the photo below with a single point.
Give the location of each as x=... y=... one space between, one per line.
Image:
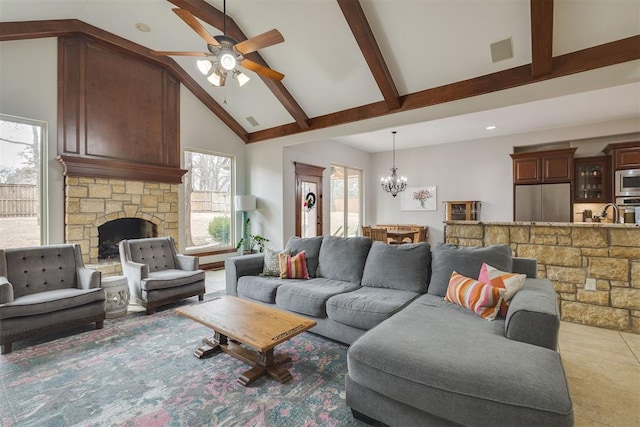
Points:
x=419 y=198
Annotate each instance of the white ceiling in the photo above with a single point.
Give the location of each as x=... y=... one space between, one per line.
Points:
x=425 y=43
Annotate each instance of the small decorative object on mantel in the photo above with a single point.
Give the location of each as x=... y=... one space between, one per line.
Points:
x=419 y=198
x=394 y=184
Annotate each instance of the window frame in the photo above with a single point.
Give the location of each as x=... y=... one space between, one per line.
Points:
x=43 y=181
x=232 y=191
x=345 y=191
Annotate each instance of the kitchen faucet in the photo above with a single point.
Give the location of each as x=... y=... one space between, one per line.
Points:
x=616 y=218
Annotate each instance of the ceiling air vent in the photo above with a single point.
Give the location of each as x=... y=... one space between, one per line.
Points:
x=253 y=121
x=501 y=50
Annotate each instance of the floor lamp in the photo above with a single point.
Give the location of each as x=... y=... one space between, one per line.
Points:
x=245 y=204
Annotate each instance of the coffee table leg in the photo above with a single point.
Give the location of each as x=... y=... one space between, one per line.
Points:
x=210 y=346
x=269 y=364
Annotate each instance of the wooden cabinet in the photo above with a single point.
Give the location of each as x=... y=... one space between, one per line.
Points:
x=543 y=166
x=466 y=210
x=592 y=179
x=626 y=155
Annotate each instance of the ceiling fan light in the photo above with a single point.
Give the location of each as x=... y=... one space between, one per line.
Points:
x=241 y=77
x=214 y=78
x=204 y=65
x=228 y=61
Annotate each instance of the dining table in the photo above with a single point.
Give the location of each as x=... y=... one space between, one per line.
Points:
x=399 y=236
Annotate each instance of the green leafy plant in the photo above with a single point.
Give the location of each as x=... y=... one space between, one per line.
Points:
x=219 y=229
x=254 y=240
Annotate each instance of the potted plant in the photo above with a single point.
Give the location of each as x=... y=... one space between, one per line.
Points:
x=254 y=240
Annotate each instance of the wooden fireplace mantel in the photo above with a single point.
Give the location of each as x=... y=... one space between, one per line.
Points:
x=100 y=168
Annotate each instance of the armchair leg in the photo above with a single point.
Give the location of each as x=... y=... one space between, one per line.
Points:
x=201 y=297
x=6 y=347
x=149 y=310
x=99 y=324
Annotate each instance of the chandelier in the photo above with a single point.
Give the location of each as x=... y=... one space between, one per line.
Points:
x=393 y=183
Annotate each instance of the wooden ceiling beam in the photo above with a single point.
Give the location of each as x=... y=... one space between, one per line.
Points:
x=67 y=27
x=212 y=16
x=604 y=55
x=541 y=37
x=353 y=13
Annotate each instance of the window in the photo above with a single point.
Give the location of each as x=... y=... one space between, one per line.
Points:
x=22 y=187
x=346 y=201
x=208 y=190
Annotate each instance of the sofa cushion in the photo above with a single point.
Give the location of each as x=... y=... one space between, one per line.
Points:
x=158 y=253
x=50 y=301
x=366 y=307
x=272 y=262
x=311 y=247
x=343 y=258
x=259 y=288
x=293 y=266
x=310 y=296
x=163 y=279
x=466 y=260
x=41 y=269
x=510 y=282
x=481 y=298
x=451 y=363
x=404 y=267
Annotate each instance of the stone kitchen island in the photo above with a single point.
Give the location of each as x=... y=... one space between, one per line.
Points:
x=568 y=254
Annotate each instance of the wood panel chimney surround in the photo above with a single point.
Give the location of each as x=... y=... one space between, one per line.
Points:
x=118 y=114
x=118 y=140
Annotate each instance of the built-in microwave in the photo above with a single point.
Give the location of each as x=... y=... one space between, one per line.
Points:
x=627 y=182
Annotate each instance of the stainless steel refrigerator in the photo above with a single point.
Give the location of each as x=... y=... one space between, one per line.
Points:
x=543 y=202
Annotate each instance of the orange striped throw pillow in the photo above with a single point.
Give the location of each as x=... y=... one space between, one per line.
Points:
x=293 y=267
x=481 y=298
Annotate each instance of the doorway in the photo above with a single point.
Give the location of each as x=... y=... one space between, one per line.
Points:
x=308 y=200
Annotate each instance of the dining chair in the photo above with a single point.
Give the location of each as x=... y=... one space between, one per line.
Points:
x=420 y=233
x=379 y=234
x=365 y=231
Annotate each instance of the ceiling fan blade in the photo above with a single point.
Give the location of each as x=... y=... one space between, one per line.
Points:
x=191 y=21
x=261 y=69
x=259 y=42
x=169 y=53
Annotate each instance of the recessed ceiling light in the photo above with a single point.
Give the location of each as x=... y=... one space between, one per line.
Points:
x=490 y=127
x=143 y=27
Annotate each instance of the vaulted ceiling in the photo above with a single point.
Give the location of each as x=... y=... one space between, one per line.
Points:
x=373 y=61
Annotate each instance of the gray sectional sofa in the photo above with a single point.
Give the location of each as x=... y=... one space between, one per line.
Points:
x=415 y=359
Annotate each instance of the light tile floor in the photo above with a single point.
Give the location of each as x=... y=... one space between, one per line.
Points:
x=603 y=371
x=602 y=367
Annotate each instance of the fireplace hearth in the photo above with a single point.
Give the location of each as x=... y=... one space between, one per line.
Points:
x=112 y=232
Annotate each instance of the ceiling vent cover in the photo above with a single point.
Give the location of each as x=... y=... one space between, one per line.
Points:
x=253 y=121
x=501 y=50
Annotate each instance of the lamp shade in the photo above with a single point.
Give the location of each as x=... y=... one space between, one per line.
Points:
x=245 y=203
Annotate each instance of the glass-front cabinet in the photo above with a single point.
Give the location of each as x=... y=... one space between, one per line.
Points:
x=592 y=181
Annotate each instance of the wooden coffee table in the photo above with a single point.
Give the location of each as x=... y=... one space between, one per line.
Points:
x=238 y=321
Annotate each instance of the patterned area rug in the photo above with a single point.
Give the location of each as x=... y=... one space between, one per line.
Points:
x=140 y=371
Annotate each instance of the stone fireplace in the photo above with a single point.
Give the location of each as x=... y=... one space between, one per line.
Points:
x=93 y=202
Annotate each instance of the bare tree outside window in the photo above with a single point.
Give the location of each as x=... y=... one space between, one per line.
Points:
x=20 y=168
x=208 y=186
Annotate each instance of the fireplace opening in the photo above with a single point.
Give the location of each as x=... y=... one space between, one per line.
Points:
x=112 y=232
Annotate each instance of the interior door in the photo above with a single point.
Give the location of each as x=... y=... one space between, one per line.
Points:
x=308 y=200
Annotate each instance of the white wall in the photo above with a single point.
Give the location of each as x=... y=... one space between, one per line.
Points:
x=478 y=170
x=271 y=173
x=201 y=130
x=29 y=89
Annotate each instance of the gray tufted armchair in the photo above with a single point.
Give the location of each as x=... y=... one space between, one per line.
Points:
x=157 y=274
x=46 y=288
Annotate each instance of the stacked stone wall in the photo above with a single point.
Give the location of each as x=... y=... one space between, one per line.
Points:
x=568 y=255
x=91 y=202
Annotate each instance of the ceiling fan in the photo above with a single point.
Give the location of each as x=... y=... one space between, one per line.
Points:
x=225 y=53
